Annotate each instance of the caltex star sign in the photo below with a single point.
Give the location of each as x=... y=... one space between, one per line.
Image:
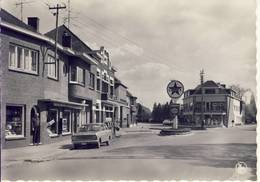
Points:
x=175 y=89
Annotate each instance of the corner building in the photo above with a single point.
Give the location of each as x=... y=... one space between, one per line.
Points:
x=220 y=105
x=76 y=89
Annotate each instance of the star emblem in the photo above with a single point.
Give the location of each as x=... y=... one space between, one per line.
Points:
x=175 y=89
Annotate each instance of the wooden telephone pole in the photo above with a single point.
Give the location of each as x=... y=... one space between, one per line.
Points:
x=57 y=8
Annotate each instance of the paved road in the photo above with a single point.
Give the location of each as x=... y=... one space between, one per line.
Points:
x=140 y=153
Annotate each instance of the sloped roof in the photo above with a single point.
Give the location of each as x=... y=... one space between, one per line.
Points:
x=9 y=18
x=211 y=84
x=118 y=82
x=76 y=43
x=130 y=95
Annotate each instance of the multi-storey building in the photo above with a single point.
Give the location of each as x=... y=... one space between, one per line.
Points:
x=133 y=109
x=215 y=103
x=76 y=88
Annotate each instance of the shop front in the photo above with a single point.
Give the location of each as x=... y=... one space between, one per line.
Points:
x=61 y=119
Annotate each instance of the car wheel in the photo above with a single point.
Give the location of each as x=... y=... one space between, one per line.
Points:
x=75 y=146
x=99 y=143
x=108 y=142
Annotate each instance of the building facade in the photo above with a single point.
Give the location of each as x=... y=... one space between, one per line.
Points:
x=75 y=89
x=213 y=103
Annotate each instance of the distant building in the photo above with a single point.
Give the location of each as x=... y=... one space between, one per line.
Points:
x=133 y=109
x=219 y=104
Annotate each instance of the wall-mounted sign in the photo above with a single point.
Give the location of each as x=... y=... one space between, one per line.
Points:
x=175 y=89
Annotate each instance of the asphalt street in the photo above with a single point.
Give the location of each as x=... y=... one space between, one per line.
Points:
x=142 y=154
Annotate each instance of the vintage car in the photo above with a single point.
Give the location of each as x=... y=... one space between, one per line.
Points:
x=97 y=134
x=167 y=122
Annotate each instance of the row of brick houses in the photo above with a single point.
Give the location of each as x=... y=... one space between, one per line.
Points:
x=220 y=105
x=79 y=87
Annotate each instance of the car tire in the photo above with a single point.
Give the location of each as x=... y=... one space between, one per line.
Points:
x=108 y=142
x=99 y=143
x=75 y=146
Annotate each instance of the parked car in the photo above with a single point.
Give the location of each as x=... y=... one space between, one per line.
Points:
x=167 y=122
x=97 y=134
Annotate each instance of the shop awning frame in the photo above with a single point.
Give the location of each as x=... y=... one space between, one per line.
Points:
x=62 y=103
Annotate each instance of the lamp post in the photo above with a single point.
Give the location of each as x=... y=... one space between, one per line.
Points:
x=202 y=98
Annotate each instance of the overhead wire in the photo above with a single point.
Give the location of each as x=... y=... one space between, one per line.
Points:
x=127 y=39
x=111 y=37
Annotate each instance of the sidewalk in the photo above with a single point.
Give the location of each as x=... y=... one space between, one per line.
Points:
x=32 y=153
x=47 y=152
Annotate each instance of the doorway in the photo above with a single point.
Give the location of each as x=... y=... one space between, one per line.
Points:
x=35 y=127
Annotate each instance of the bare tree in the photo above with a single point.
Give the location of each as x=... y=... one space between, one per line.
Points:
x=240 y=91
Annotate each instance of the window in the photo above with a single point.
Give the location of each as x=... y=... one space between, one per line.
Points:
x=52 y=67
x=66 y=122
x=111 y=82
x=218 y=106
x=23 y=59
x=98 y=73
x=111 y=91
x=20 y=57
x=210 y=91
x=77 y=75
x=98 y=84
x=105 y=76
x=52 y=122
x=97 y=117
x=14 y=121
x=104 y=87
x=91 y=80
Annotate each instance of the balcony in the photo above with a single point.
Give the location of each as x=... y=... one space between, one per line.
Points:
x=78 y=90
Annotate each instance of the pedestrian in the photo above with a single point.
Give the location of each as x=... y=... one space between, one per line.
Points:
x=36 y=128
x=203 y=124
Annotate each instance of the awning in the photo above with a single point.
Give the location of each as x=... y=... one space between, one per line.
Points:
x=61 y=103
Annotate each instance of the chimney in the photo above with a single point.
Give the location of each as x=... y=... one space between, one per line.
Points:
x=34 y=23
x=66 y=40
x=223 y=85
x=102 y=50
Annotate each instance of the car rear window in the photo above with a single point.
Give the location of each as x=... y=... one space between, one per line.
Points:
x=86 y=128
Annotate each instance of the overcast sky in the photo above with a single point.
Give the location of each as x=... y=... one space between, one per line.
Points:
x=153 y=41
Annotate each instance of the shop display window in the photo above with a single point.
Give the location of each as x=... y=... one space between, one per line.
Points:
x=52 y=122
x=66 y=122
x=14 y=121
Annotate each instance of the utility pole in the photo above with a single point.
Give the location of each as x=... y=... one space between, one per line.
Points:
x=57 y=8
x=202 y=97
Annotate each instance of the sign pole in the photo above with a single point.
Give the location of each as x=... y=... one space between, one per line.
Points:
x=175 y=89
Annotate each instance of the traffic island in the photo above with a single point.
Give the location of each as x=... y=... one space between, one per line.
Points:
x=173 y=131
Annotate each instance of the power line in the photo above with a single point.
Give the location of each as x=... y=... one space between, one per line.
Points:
x=82 y=29
x=100 y=36
x=150 y=55
x=111 y=40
